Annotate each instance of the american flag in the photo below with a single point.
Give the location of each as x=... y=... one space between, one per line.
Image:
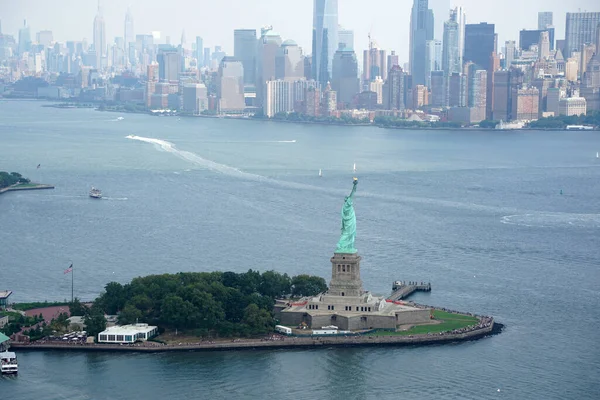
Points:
x=70 y=269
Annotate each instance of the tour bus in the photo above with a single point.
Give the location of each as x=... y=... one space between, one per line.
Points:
x=283 y=329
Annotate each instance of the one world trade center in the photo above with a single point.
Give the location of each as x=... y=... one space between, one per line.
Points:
x=324 y=40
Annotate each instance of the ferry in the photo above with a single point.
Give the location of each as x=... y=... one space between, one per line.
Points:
x=8 y=363
x=579 y=128
x=95 y=193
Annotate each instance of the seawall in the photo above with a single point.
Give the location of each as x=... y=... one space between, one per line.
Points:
x=286 y=343
x=39 y=186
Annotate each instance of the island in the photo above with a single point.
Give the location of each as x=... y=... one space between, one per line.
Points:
x=228 y=310
x=15 y=181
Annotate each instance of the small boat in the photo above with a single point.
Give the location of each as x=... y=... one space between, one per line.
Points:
x=354 y=167
x=320 y=172
x=597 y=154
x=8 y=363
x=120 y=119
x=95 y=193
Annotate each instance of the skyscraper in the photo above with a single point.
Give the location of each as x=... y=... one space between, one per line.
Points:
x=544 y=45
x=393 y=89
x=510 y=53
x=433 y=59
x=374 y=63
x=421 y=30
x=346 y=39
x=169 y=65
x=268 y=47
x=580 y=29
x=450 y=53
x=324 y=39
x=230 y=86
x=345 y=79
x=244 y=49
x=199 y=52
x=544 y=20
x=129 y=34
x=24 y=38
x=99 y=38
x=289 y=62
x=480 y=43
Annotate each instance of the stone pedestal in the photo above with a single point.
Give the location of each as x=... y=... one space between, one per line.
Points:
x=345 y=275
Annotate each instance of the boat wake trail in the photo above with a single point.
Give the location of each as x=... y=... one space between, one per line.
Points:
x=553 y=220
x=196 y=159
x=115 y=198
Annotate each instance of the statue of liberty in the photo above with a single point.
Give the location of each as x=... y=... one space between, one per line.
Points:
x=346 y=242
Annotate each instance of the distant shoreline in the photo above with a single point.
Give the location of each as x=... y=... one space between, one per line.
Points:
x=32 y=186
x=288 y=343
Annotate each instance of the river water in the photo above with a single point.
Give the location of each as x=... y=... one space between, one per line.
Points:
x=479 y=214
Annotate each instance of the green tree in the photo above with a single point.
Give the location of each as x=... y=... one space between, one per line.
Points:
x=257 y=319
x=95 y=322
x=129 y=315
x=274 y=284
x=77 y=309
x=306 y=285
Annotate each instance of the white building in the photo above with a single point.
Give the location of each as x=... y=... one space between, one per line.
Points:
x=127 y=333
x=283 y=95
x=572 y=106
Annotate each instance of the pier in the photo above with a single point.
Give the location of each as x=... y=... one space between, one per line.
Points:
x=28 y=186
x=402 y=289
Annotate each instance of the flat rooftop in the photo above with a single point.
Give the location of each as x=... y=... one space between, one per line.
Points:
x=5 y=293
x=128 y=329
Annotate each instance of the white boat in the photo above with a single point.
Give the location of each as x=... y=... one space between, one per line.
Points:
x=8 y=363
x=597 y=154
x=95 y=193
x=354 y=168
x=120 y=119
x=320 y=172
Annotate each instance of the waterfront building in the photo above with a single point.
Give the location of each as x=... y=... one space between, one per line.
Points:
x=268 y=48
x=312 y=101
x=553 y=99
x=421 y=30
x=480 y=42
x=329 y=104
x=289 y=61
x=324 y=39
x=125 y=334
x=393 y=90
x=99 y=39
x=345 y=80
x=580 y=29
x=4 y=295
x=346 y=305
x=285 y=95
x=493 y=67
x=502 y=95
x=230 y=86
x=195 y=98
x=477 y=94
x=420 y=96
x=525 y=104
x=572 y=106
x=244 y=49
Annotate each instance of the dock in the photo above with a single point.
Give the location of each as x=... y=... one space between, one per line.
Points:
x=402 y=289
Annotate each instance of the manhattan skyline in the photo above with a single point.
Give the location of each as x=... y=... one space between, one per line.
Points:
x=388 y=21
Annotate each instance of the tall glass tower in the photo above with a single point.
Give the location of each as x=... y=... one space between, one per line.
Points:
x=325 y=39
x=421 y=30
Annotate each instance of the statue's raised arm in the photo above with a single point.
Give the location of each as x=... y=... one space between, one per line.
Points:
x=346 y=242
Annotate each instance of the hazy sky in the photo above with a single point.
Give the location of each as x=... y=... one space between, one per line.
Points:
x=388 y=20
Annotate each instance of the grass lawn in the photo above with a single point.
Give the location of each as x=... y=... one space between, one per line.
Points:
x=450 y=322
x=25 y=185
